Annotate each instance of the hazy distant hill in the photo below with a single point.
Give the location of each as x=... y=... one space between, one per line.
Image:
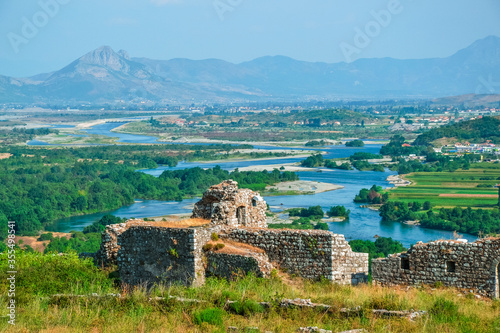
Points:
x=469 y=100
x=104 y=75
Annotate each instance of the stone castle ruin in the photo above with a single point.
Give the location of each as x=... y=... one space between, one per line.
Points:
x=227 y=205
x=148 y=253
x=471 y=266
x=187 y=251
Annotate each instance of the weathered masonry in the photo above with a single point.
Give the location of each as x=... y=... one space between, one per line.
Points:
x=185 y=251
x=308 y=253
x=226 y=204
x=473 y=266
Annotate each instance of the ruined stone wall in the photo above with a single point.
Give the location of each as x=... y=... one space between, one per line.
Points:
x=348 y=267
x=473 y=266
x=229 y=266
x=149 y=255
x=154 y=254
x=308 y=253
x=202 y=235
x=106 y=255
x=225 y=204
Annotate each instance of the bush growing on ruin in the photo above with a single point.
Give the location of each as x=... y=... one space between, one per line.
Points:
x=173 y=253
x=207 y=247
x=219 y=246
x=214 y=237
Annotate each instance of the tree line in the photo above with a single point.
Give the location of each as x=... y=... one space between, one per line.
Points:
x=317 y=160
x=41 y=188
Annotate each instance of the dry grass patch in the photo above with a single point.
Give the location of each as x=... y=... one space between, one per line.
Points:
x=186 y=223
x=39 y=245
x=4 y=156
x=231 y=247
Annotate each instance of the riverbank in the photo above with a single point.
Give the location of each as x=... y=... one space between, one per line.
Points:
x=398 y=181
x=264 y=167
x=304 y=186
x=294 y=167
x=89 y=124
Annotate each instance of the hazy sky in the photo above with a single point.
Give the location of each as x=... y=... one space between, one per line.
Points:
x=45 y=35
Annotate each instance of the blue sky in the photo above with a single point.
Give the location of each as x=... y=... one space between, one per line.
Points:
x=238 y=30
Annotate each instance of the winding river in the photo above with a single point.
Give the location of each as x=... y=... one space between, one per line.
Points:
x=363 y=224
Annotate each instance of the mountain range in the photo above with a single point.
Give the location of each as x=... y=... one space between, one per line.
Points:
x=106 y=76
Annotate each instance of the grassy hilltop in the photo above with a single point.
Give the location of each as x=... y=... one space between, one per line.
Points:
x=41 y=276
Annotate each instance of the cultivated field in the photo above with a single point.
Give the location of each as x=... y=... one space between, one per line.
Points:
x=451 y=189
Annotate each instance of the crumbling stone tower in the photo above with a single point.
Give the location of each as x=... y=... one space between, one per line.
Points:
x=225 y=204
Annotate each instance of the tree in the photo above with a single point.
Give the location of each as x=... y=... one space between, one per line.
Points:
x=339 y=211
x=313 y=161
x=355 y=143
x=415 y=207
x=321 y=226
x=100 y=225
x=382 y=247
x=4 y=227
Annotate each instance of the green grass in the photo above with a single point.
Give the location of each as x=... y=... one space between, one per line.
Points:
x=138 y=311
x=427 y=186
x=49 y=274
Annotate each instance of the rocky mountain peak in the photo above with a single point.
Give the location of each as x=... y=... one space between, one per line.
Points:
x=124 y=54
x=106 y=57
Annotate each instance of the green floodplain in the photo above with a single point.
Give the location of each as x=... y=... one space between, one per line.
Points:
x=473 y=188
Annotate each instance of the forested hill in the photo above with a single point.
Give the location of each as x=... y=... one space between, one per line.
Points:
x=474 y=131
